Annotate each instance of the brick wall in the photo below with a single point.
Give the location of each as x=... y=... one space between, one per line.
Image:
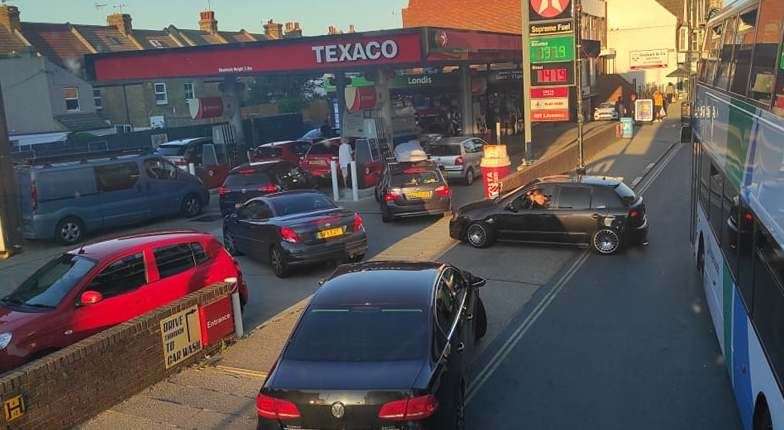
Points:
x=76 y=383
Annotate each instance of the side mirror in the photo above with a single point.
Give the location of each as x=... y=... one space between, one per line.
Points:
x=474 y=281
x=511 y=207
x=91 y=297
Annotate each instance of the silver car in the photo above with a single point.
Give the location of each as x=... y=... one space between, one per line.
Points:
x=458 y=157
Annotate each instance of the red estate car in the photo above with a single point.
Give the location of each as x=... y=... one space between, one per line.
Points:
x=90 y=289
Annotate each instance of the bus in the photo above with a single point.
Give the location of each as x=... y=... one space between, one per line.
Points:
x=738 y=200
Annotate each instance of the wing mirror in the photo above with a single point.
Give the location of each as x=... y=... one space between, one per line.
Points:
x=512 y=208
x=474 y=281
x=91 y=297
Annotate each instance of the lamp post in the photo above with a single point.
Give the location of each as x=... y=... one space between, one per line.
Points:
x=578 y=76
x=526 y=96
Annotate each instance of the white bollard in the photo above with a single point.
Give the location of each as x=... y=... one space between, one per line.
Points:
x=239 y=331
x=335 y=189
x=354 y=181
x=192 y=169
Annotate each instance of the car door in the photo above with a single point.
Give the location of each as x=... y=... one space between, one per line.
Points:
x=448 y=344
x=254 y=235
x=164 y=189
x=575 y=217
x=122 y=284
x=525 y=220
x=121 y=194
x=175 y=274
x=606 y=205
x=476 y=153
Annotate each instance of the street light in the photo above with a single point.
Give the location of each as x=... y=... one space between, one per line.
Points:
x=526 y=96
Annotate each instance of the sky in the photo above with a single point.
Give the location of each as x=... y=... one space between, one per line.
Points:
x=314 y=15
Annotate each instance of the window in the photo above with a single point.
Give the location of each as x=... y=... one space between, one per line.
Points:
x=606 y=198
x=705 y=170
x=71 y=95
x=199 y=255
x=763 y=70
x=248 y=178
x=116 y=177
x=768 y=305
x=156 y=43
x=446 y=305
x=744 y=44
x=190 y=91
x=121 y=277
x=536 y=198
x=577 y=198
x=683 y=38
x=716 y=198
x=724 y=74
x=746 y=255
x=51 y=283
x=255 y=209
x=711 y=52
x=161 y=96
x=157 y=168
x=174 y=260
x=98 y=98
x=301 y=203
x=729 y=229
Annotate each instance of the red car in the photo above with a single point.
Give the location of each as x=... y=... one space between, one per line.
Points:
x=90 y=289
x=316 y=161
x=291 y=150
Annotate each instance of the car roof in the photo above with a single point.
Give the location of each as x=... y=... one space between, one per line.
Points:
x=394 y=283
x=290 y=193
x=184 y=141
x=280 y=143
x=108 y=248
x=400 y=167
x=604 y=181
x=452 y=140
x=258 y=166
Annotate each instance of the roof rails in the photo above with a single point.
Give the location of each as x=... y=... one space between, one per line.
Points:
x=84 y=157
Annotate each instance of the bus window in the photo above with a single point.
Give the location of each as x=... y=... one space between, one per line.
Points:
x=705 y=167
x=768 y=306
x=744 y=43
x=711 y=52
x=745 y=254
x=724 y=74
x=729 y=228
x=763 y=69
x=716 y=197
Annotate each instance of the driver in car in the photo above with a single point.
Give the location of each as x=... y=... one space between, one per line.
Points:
x=538 y=200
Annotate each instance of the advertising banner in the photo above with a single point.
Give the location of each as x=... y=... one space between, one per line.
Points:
x=550 y=104
x=650 y=59
x=643 y=110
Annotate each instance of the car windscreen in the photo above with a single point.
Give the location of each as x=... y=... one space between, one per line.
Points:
x=626 y=194
x=171 y=150
x=269 y=151
x=300 y=203
x=444 y=150
x=416 y=178
x=321 y=149
x=245 y=178
x=47 y=287
x=361 y=333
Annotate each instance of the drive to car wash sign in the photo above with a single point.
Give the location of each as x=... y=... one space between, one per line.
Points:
x=181 y=336
x=550 y=104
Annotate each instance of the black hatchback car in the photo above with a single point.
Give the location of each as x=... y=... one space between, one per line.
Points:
x=294 y=228
x=380 y=346
x=601 y=212
x=261 y=178
x=412 y=189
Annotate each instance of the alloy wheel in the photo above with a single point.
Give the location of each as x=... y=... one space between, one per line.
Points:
x=70 y=232
x=606 y=241
x=477 y=235
x=192 y=207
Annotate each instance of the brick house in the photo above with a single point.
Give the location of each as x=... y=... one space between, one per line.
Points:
x=55 y=49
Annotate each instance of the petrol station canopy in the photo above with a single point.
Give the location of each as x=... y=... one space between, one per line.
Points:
x=398 y=49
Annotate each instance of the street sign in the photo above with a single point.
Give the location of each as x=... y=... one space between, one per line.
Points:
x=181 y=336
x=550 y=104
x=552 y=74
x=552 y=49
x=649 y=59
x=550 y=9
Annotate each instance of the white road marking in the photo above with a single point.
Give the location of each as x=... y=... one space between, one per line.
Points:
x=649 y=167
x=636 y=181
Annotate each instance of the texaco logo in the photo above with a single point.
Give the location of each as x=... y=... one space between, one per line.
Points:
x=338 y=410
x=442 y=40
x=549 y=8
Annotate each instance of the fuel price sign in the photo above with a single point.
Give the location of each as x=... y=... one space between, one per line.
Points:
x=552 y=49
x=552 y=74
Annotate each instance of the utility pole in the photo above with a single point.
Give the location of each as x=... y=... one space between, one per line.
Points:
x=526 y=96
x=578 y=75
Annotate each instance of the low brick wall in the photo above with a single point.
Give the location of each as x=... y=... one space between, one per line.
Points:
x=563 y=161
x=76 y=383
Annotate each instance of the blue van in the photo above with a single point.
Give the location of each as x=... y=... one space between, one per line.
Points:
x=64 y=199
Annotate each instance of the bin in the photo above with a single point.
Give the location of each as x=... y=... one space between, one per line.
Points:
x=495 y=166
x=627 y=124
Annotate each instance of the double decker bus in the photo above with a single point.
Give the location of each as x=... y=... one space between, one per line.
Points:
x=738 y=200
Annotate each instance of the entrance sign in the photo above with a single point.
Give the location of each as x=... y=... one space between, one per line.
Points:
x=552 y=74
x=181 y=336
x=552 y=49
x=550 y=9
x=650 y=59
x=550 y=104
x=217 y=321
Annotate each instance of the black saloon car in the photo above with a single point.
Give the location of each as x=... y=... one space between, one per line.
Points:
x=293 y=228
x=380 y=346
x=413 y=189
x=261 y=178
x=601 y=212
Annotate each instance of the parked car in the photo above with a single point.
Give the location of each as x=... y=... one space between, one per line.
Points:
x=294 y=228
x=603 y=213
x=87 y=290
x=185 y=151
x=460 y=157
x=413 y=189
x=317 y=161
x=382 y=345
x=605 y=111
x=257 y=179
x=66 y=198
x=290 y=150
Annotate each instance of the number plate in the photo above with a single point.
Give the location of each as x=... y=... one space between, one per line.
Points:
x=333 y=232
x=420 y=195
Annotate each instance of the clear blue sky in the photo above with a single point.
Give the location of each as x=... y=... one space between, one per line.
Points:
x=314 y=15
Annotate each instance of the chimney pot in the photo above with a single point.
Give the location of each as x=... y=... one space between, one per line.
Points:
x=273 y=30
x=9 y=17
x=121 y=21
x=207 y=22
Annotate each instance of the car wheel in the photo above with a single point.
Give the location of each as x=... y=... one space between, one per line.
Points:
x=191 y=206
x=469 y=177
x=386 y=215
x=280 y=265
x=479 y=235
x=480 y=330
x=69 y=231
x=606 y=241
x=230 y=244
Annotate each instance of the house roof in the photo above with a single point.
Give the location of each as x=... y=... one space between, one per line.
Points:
x=82 y=121
x=9 y=43
x=241 y=36
x=105 y=39
x=56 y=42
x=156 y=39
x=675 y=7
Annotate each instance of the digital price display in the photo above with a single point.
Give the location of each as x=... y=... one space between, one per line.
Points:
x=552 y=49
x=552 y=74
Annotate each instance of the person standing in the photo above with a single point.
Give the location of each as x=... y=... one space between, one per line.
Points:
x=658 y=105
x=670 y=92
x=345 y=157
x=620 y=108
x=633 y=106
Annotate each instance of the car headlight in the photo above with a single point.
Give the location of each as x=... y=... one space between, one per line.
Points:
x=5 y=339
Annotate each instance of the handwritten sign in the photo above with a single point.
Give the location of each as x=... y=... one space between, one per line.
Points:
x=181 y=336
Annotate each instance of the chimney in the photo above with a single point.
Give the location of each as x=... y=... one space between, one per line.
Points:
x=352 y=29
x=9 y=17
x=273 y=30
x=293 y=30
x=120 y=21
x=207 y=23
x=333 y=30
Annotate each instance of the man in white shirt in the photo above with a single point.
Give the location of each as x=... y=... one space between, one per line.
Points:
x=344 y=159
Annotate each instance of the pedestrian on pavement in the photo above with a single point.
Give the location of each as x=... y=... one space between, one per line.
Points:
x=345 y=157
x=620 y=108
x=632 y=106
x=670 y=92
x=658 y=105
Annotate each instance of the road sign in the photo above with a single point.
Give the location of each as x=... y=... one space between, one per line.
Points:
x=552 y=74
x=181 y=336
x=552 y=49
x=550 y=9
x=550 y=104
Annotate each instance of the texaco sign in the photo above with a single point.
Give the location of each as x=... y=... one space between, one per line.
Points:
x=550 y=9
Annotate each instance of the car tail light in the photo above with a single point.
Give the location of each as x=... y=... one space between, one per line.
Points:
x=268 y=188
x=276 y=409
x=289 y=235
x=748 y=217
x=413 y=409
x=367 y=171
x=359 y=224
x=443 y=191
x=222 y=191
x=34 y=195
x=459 y=161
x=634 y=214
x=392 y=195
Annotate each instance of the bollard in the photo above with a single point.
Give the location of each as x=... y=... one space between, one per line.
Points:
x=498 y=133
x=354 y=181
x=192 y=169
x=239 y=331
x=335 y=189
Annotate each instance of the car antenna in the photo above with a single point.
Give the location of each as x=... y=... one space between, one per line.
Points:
x=81 y=250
